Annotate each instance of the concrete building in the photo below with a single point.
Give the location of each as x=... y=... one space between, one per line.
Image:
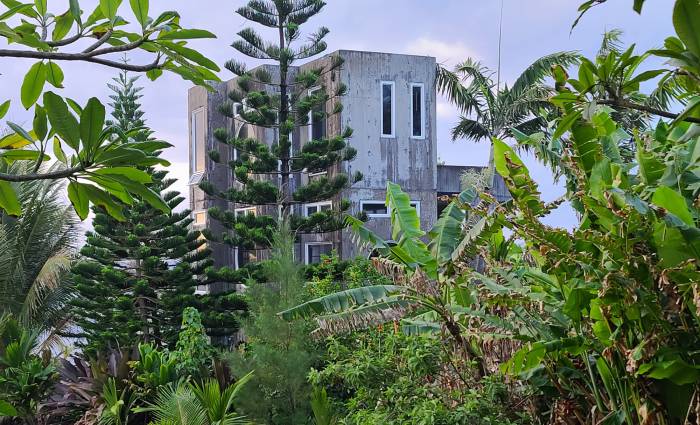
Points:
x=390 y=105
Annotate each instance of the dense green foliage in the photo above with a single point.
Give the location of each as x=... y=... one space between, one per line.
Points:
x=602 y=321
x=391 y=378
x=138 y=275
x=36 y=253
x=25 y=378
x=279 y=102
x=279 y=352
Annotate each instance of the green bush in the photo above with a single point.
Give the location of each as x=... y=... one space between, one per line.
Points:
x=384 y=377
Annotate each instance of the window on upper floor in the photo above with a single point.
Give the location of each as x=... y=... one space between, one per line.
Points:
x=244 y=256
x=317 y=207
x=198 y=145
x=417 y=111
x=388 y=120
x=241 y=212
x=378 y=209
x=374 y=208
x=200 y=218
x=317 y=119
x=315 y=250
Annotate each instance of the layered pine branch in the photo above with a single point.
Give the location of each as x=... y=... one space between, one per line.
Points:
x=275 y=103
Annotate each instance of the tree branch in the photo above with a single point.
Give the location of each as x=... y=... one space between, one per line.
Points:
x=89 y=57
x=102 y=40
x=621 y=103
x=65 y=41
x=52 y=175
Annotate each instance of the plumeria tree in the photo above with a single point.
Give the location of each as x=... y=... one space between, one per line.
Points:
x=77 y=135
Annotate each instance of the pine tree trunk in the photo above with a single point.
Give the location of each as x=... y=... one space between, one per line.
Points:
x=283 y=115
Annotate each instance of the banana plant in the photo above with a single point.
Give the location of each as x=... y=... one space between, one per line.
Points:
x=429 y=295
x=103 y=166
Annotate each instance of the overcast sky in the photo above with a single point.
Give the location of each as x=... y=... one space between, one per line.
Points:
x=450 y=30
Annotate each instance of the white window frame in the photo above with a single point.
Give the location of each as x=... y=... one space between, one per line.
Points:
x=393 y=109
x=370 y=201
x=306 y=249
x=193 y=143
x=310 y=127
x=245 y=211
x=316 y=204
x=415 y=204
x=422 y=111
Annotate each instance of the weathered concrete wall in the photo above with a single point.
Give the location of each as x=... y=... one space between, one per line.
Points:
x=407 y=161
x=403 y=160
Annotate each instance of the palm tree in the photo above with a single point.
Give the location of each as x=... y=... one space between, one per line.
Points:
x=36 y=252
x=198 y=404
x=488 y=110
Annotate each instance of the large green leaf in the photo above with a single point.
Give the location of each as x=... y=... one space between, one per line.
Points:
x=7 y=410
x=650 y=168
x=131 y=173
x=8 y=199
x=677 y=371
x=445 y=235
x=140 y=9
x=22 y=133
x=342 y=301
x=75 y=11
x=142 y=192
x=54 y=74
x=33 y=84
x=22 y=155
x=185 y=34
x=91 y=123
x=686 y=21
x=40 y=123
x=63 y=25
x=13 y=10
x=674 y=202
x=62 y=121
x=517 y=177
x=587 y=145
x=4 y=107
x=101 y=198
x=109 y=8
x=78 y=196
x=404 y=218
x=191 y=54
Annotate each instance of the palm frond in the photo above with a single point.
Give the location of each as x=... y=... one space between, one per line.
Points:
x=450 y=85
x=611 y=43
x=479 y=78
x=470 y=129
x=177 y=405
x=542 y=68
x=36 y=251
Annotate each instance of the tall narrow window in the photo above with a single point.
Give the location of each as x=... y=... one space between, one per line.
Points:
x=317 y=118
x=388 y=102
x=417 y=111
x=198 y=141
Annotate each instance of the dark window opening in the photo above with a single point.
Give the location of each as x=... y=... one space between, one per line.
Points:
x=374 y=208
x=417 y=112
x=315 y=251
x=387 y=109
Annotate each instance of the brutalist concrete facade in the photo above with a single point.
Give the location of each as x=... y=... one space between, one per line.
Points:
x=407 y=155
